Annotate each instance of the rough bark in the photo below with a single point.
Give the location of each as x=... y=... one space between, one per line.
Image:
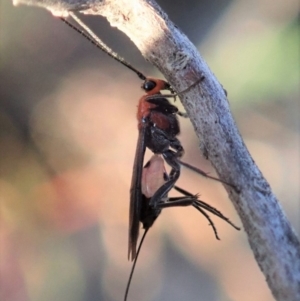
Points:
x=273 y=241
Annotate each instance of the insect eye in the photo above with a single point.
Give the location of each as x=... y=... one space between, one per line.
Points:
x=148 y=85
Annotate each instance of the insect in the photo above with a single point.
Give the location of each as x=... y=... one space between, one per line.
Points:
x=158 y=128
x=153 y=200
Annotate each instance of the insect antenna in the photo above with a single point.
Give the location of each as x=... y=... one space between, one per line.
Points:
x=134 y=264
x=96 y=41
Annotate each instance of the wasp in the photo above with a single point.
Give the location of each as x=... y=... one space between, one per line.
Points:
x=158 y=130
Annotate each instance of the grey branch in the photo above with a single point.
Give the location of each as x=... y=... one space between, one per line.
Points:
x=271 y=237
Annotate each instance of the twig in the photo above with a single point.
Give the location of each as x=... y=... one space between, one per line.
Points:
x=273 y=241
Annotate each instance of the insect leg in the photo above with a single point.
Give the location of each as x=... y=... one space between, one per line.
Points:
x=199 y=205
x=171 y=158
x=206 y=175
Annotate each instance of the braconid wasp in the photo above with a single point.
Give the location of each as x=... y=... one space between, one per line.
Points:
x=158 y=128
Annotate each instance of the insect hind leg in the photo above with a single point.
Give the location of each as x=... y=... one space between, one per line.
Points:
x=171 y=158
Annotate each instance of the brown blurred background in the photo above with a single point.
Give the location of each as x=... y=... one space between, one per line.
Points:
x=68 y=137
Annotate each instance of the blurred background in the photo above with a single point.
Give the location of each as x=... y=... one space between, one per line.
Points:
x=68 y=138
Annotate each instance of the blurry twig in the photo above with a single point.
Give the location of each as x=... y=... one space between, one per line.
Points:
x=273 y=241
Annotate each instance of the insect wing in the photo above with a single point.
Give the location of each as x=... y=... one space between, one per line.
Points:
x=136 y=194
